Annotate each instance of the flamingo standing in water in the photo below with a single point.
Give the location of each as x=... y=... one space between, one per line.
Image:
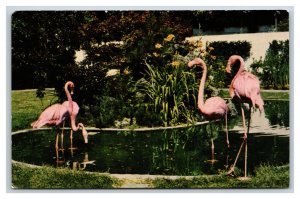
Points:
x=214 y=107
x=73 y=115
x=245 y=88
x=56 y=114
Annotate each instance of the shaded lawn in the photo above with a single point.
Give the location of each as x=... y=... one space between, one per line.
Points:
x=26 y=107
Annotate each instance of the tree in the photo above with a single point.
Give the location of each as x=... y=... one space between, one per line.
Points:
x=43 y=43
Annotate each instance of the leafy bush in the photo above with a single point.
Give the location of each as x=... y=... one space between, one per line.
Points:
x=226 y=49
x=170 y=90
x=274 y=69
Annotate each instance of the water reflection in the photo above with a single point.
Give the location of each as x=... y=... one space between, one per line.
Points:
x=274 y=120
x=184 y=151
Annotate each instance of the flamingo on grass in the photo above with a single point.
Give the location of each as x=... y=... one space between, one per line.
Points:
x=214 y=107
x=56 y=114
x=244 y=87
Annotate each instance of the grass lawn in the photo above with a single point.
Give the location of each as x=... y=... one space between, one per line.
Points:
x=265 y=177
x=25 y=177
x=26 y=107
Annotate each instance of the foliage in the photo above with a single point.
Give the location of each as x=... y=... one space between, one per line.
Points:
x=136 y=31
x=120 y=100
x=226 y=49
x=43 y=43
x=278 y=113
x=273 y=71
x=170 y=90
x=119 y=40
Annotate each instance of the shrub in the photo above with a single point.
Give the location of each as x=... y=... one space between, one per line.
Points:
x=170 y=89
x=226 y=49
x=274 y=69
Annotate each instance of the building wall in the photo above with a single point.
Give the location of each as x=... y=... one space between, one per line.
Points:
x=259 y=41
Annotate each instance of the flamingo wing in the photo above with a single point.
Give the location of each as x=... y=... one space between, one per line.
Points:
x=215 y=107
x=53 y=115
x=247 y=86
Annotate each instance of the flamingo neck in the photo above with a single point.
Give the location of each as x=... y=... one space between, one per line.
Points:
x=75 y=128
x=73 y=123
x=70 y=108
x=241 y=69
x=201 y=89
x=242 y=65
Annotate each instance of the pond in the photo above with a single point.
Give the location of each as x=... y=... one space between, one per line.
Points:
x=183 y=151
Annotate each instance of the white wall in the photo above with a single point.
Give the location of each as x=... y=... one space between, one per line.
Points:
x=259 y=41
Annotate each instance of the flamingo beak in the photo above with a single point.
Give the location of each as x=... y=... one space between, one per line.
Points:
x=85 y=135
x=191 y=64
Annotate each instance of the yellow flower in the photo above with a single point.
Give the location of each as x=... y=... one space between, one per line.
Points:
x=155 y=54
x=175 y=64
x=213 y=57
x=158 y=45
x=210 y=48
x=169 y=37
x=200 y=44
x=126 y=71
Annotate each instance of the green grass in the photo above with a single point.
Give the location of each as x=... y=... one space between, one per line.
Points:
x=266 y=94
x=265 y=177
x=25 y=177
x=26 y=107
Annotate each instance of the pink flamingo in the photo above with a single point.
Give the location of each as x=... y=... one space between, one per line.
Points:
x=246 y=88
x=56 y=114
x=73 y=115
x=214 y=107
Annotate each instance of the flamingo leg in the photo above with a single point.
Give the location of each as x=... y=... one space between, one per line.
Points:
x=243 y=114
x=246 y=145
x=227 y=139
x=62 y=137
x=62 y=141
x=212 y=143
x=246 y=157
x=212 y=150
x=212 y=161
x=71 y=141
x=56 y=141
x=244 y=124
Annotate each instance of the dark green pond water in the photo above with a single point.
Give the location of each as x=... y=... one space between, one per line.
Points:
x=185 y=151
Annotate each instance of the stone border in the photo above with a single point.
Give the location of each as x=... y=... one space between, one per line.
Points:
x=93 y=129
